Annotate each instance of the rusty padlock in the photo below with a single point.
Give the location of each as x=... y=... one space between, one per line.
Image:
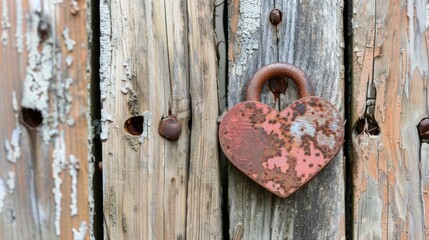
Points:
x=281 y=151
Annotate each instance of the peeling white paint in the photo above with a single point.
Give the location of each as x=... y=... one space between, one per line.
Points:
x=58 y=165
x=47 y=61
x=4 y=38
x=91 y=194
x=15 y=105
x=50 y=129
x=248 y=26
x=67 y=40
x=73 y=171
x=42 y=60
x=147 y=120
x=39 y=71
x=246 y=42
x=105 y=50
x=5 y=23
x=13 y=148
x=64 y=98
x=127 y=88
x=2 y=194
x=69 y=60
x=105 y=118
x=35 y=93
x=80 y=235
x=70 y=121
x=11 y=182
x=90 y=165
x=427 y=14
x=128 y=72
x=19 y=37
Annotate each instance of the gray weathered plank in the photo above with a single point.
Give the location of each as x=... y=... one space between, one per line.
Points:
x=310 y=36
x=390 y=69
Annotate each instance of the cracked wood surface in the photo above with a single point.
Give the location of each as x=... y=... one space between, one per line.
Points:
x=311 y=37
x=43 y=66
x=390 y=82
x=158 y=58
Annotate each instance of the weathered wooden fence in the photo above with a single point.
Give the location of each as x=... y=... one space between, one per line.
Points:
x=90 y=81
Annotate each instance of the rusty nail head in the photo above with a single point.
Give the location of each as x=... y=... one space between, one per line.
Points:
x=170 y=128
x=278 y=85
x=423 y=129
x=275 y=16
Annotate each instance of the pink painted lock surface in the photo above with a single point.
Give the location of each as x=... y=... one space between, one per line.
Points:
x=283 y=150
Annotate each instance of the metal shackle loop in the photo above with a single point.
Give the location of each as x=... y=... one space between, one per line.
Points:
x=278 y=70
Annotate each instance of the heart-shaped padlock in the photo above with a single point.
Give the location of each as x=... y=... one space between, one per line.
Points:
x=283 y=150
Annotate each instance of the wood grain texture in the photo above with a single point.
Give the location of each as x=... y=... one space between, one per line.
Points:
x=154 y=188
x=204 y=192
x=390 y=80
x=310 y=37
x=44 y=170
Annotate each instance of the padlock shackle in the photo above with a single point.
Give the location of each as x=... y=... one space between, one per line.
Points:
x=278 y=70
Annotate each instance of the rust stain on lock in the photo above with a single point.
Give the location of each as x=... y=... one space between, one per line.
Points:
x=281 y=150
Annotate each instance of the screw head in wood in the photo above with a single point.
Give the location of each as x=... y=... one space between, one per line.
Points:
x=423 y=129
x=170 y=128
x=275 y=16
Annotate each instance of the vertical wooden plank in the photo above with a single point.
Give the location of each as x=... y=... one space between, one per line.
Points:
x=252 y=43
x=158 y=58
x=310 y=36
x=44 y=169
x=177 y=153
x=390 y=78
x=204 y=200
